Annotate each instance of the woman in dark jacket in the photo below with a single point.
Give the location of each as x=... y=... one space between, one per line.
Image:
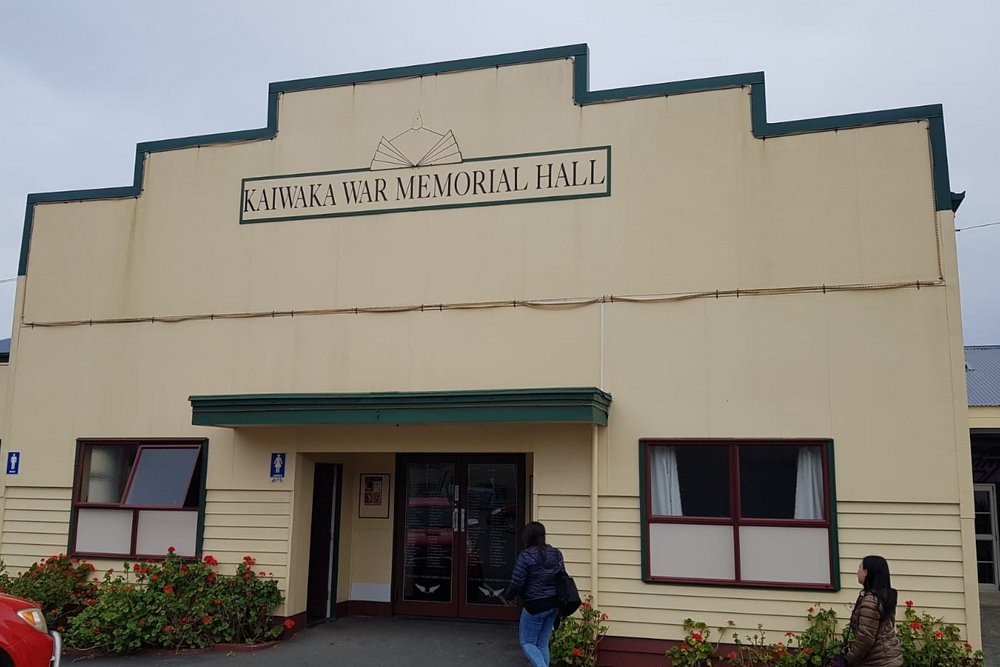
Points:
x=873 y=621
x=534 y=580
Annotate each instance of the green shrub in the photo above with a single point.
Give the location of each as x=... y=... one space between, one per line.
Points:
x=245 y=601
x=60 y=585
x=696 y=649
x=928 y=641
x=5 y=579
x=574 y=642
x=174 y=604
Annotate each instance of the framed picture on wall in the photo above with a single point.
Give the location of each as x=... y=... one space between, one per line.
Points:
x=373 y=498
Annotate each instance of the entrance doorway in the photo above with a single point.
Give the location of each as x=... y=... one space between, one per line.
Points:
x=987 y=540
x=458 y=524
x=321 y=596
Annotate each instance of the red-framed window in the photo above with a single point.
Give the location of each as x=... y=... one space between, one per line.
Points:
x=739 y=512
x=137 y=498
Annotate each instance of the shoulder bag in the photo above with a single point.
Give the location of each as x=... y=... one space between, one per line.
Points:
x=569 y=595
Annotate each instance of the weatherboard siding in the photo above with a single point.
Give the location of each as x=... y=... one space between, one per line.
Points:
x=567 y=526
x=922 y=541
x=35 y=524
x=249 y=522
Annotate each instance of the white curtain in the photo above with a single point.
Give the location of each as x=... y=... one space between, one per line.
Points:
x=809 y=484
x=664 y=481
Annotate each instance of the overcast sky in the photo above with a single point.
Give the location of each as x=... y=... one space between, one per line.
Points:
x=81 y=82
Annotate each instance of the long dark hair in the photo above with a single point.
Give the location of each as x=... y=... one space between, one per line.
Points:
x=879 y=583
x=534 y=536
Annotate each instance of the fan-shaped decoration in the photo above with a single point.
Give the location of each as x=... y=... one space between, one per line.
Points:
x=416 y=147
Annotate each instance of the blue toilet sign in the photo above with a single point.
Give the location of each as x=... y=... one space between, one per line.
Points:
x=13 y=462
x=277 y=466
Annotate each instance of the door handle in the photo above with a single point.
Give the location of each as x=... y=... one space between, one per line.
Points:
x=462 y=522
x=454 y=520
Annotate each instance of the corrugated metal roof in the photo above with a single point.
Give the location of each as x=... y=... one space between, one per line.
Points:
x=982 y=374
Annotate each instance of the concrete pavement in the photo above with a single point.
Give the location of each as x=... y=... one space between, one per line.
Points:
x=989 y=606
x=412 y=642
x=371 y=642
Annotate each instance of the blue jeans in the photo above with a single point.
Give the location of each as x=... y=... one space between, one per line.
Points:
x=534 y=633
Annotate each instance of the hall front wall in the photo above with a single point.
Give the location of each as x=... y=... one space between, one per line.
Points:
x=697 y=204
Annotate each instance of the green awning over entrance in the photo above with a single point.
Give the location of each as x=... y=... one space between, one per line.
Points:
x=582 y=405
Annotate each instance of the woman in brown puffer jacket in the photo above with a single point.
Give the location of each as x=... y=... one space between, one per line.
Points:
x=873 y=621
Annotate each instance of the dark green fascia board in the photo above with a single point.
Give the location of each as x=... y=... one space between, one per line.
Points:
x=581 y=93
x=587 y=405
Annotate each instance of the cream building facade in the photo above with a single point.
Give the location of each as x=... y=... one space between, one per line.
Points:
x=720 y=358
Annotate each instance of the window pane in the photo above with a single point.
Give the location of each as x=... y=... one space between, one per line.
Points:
x=689 y=551
x=789 y=555
x=103 y=531
x=105 y=472
x=982 y=500
x=702 y=473
x=158 y=530
x=984 y=524
x=984 y=550
x=781 y=482
x=491 y=530
x=162 y=476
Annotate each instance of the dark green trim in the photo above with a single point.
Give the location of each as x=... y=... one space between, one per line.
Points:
x=74 y=494
x=587 y=405
x=199 y=539
x=437 y=207
x=956 y=200
x=643 y=504
x=644 y=492
x=834 y=536
x=582 y=96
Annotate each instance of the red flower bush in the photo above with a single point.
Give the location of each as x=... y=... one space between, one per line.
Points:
x=60 y=584
x=574 y=642
x=177 y=604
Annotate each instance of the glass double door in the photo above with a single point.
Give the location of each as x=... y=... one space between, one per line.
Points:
x=458 y=524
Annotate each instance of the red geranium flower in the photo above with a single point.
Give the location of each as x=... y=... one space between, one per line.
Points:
x=289 y=623
x=916 y=626
x=168 y=589
x=168 y=628
x=577 y=651
x=206 y=619
x=909 y=603
x=696 y=636
x=170 y=550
